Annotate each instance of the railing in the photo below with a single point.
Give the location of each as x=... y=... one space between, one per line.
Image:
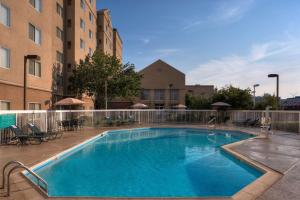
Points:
x=281 y=120
x=18 y=165
x=51 y=120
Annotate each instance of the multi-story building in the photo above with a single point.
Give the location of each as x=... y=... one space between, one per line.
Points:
x=51 y=36
x=28 y=49
x=104 y=32
x=117 y=45
x=80 y=37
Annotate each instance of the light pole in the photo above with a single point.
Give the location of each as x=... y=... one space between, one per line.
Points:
x=26 y=57
x=254 y=91
x=277 y=88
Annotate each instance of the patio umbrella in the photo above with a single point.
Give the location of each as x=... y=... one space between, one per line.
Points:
x=220 y=106
x=179 y=106
x=69 y=102
x=139 y=106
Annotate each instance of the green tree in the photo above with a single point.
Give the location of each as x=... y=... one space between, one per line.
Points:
x=236 y=97
x=266 y=100
x=94 y=71
x=197 y=102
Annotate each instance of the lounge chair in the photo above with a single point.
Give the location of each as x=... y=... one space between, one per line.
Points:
x=242 y=122
x=21 y=137
x=45 y=135
x=253 y=123
x=109 y=121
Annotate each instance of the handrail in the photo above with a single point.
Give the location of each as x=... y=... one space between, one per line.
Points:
x=3 y=171
x=212 y=120
x=21 y=165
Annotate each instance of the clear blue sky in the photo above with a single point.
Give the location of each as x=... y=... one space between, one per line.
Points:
x=216 y=42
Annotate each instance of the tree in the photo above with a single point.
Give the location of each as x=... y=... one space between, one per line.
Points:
x=94 y=71
x=236 y=97
x=266 y=100
x=197 y=102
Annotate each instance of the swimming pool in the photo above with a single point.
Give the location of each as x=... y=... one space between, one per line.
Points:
x=150 y=162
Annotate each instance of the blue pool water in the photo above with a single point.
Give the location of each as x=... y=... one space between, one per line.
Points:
x=153 y=162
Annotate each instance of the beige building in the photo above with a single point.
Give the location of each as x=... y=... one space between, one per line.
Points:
x=117 y=45
x=104 y=32
x=29 y=28
x=163 y=86
x=200 y=90
x=57 y=34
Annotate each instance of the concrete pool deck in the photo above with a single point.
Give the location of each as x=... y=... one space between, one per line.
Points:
x=281 y=153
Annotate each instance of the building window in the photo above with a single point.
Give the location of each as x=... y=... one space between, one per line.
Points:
x=35 y=34
x=59 y=33
x=82 y=4
x=59 y=9
x=34 y=106
x=91 y=17
x=4 y=15
x=69 y=23
x=37 y=4
x=69 y=44
x=90 y=34
x=159 y=95
x=34 y=68
x=91 y=2
x=82 y=44
x=69 y=67
x=4 y=105
x=82 y=24
x=145 y=94
x=59 y=57
x=69 y=2
x=4 y=57
x=90 y=51
x=174 y=94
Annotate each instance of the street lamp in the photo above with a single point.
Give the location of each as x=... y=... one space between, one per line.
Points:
x=26 y=57
x=254 y=91
x=277 y=87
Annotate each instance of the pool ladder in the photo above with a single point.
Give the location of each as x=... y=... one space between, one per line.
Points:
x=211 y=124
x=18 y=165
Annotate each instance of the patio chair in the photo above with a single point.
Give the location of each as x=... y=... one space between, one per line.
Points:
x=23 y=138
x=109 y=121
x=253 y=123
x=131 y=119
x=47 y=135
x=36 y=131
x=242 y=122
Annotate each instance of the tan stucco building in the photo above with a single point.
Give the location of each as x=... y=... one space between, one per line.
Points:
x=163 y=86
x=117 y=45
x=105 y=32
x=60 y=33
x=200 y=90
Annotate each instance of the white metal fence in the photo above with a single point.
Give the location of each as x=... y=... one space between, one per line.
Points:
x=68 y=119
x=281 y=120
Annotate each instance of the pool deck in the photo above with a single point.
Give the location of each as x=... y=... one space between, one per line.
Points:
x=281 y=152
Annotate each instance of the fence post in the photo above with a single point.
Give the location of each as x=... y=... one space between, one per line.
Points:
x=139 y=117
x=46 y=125
x=299 y=123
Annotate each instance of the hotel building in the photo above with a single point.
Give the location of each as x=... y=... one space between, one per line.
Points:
x=40 y=43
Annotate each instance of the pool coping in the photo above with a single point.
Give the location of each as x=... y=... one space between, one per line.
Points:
x=250 y=191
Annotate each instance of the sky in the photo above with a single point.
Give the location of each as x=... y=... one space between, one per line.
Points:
x=218 y=42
